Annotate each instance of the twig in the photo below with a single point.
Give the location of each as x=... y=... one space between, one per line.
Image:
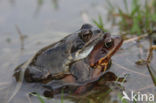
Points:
x=152 y=73
x=139 y=37
x=21 y=37
x=135 y=38
x=153 y=47
x=148 y=61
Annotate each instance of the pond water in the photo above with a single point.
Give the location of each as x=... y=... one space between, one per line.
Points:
x=43 y=22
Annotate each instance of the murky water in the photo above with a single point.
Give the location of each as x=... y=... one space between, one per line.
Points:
x=46 y=21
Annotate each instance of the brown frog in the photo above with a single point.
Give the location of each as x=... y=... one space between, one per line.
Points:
x=77 y=59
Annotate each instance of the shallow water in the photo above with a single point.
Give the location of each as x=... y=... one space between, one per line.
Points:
x=44 y=22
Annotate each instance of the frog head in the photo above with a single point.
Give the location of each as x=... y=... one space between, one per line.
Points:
x=84 y=41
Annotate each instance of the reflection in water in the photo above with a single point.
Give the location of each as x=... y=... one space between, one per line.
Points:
x=105 y=89
x=102 y=91
x=96 y=91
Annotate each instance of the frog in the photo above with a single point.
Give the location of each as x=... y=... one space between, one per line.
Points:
x=77 y=59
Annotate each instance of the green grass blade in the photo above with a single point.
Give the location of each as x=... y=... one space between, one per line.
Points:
x=154 y=5
x=99 y=23
x=153 y=17
x=147 y=15
x=40 y=98
x=135 y=7
x=123 y=19
x=135 y=28
x=126 y=5
x=110 y=4
x=62 y=96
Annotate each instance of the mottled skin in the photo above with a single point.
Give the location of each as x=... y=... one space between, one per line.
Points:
x=78 y=58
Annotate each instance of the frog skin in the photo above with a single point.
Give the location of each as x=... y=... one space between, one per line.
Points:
x=78 y=58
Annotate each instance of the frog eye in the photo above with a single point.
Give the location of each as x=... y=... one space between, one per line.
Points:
x=85 y=36
x=109 y=43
